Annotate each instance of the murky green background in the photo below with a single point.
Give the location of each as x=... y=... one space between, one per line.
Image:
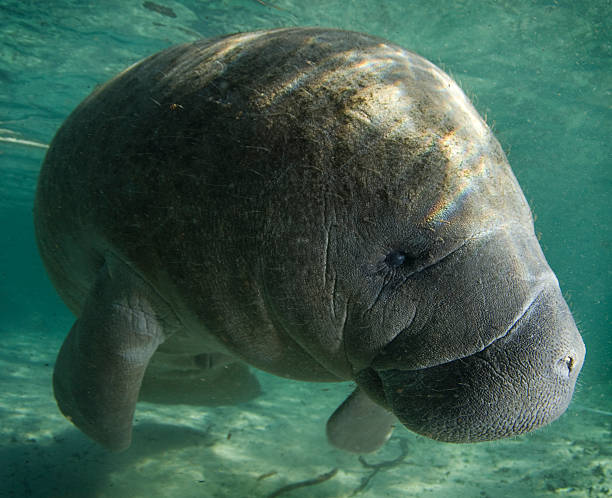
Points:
x=540 y=71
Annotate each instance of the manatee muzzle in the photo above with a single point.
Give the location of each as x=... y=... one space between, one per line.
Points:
x=521 y=381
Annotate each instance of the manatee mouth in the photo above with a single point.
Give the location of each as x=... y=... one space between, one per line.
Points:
x=521 y=381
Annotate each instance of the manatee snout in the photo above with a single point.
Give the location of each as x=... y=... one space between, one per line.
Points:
x=521 y=381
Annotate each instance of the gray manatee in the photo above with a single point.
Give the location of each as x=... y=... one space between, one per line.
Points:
x=319 y=204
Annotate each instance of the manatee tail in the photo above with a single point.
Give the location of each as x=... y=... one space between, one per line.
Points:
x=359 y=425
x=101 y=364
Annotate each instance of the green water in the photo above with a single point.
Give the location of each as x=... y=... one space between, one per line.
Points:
x=540 y=71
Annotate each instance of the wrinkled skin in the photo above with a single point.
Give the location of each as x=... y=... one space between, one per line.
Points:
x=319 y=204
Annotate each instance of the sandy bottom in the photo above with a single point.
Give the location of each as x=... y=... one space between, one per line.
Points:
x=254 y=449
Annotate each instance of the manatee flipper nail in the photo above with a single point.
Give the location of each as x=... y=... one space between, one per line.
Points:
x=359 y=425
x=100 y=366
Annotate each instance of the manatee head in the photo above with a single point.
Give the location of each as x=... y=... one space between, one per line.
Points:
x=476 y=363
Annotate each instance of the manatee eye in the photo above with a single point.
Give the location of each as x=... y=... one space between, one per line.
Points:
x=395 y=259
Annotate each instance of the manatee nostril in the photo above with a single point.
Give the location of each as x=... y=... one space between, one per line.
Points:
x=566 y=365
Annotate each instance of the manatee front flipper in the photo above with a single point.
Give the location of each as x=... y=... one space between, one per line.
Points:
x=359 y=425
x=211 y=379
x=100 y=366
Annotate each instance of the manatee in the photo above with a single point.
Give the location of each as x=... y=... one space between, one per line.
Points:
x=319 y=204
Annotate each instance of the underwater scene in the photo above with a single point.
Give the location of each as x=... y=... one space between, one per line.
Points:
x=538 y=72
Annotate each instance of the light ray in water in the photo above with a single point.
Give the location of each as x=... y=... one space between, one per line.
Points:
x=471 y=169
x=27 y=143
